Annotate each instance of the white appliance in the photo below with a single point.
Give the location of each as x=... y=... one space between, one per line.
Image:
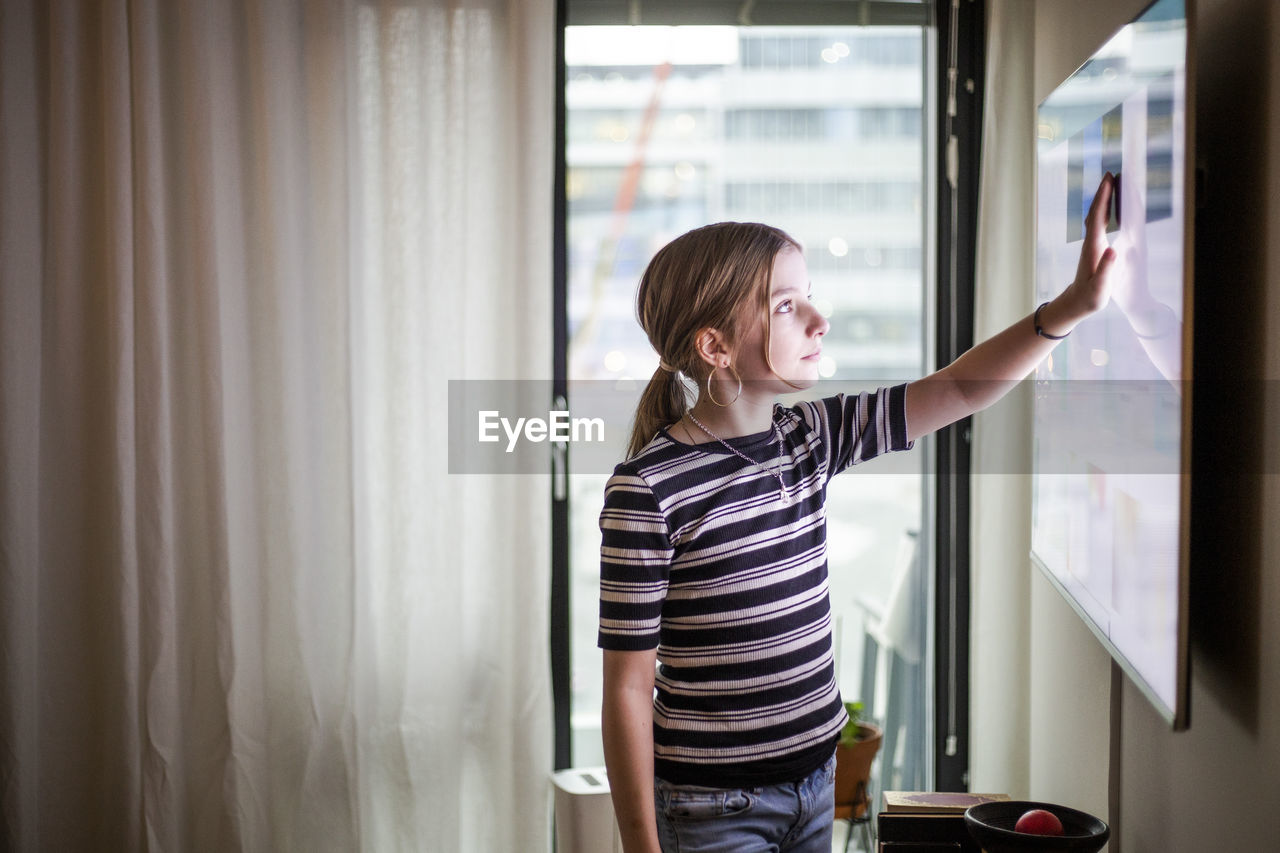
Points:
x=584 y=812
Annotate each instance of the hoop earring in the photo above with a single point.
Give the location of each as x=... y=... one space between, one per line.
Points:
x=712 y=397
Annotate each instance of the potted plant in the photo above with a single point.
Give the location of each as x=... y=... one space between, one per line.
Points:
x=859 y=742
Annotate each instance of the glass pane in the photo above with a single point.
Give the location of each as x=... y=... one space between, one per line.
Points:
x=820 y=132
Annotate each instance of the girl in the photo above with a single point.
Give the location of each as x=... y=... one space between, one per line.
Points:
x=713 y=556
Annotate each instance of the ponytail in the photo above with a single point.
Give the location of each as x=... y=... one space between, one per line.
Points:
x=663 y=402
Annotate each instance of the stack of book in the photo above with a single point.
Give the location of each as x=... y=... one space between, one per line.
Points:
x=928 y=821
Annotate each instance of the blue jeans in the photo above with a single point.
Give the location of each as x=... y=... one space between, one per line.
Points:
x=794 y=817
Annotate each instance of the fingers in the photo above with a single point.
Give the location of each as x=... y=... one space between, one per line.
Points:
x=1100 y=210
x=1107 y=261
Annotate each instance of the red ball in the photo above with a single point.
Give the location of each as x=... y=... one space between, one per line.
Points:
x=1039 y=822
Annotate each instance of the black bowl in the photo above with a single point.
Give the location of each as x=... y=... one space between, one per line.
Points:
x=991 y=825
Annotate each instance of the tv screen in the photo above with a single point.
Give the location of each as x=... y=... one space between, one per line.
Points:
x=1112 y=403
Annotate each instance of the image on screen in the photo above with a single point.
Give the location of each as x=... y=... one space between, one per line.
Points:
x=1108 y=408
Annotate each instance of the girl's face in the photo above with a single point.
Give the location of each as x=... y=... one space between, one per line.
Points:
x=796 y=330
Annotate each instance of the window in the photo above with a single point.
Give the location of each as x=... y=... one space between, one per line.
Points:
x=770 y=49
x=871 y=123
x=781 y=125
x=871 y=198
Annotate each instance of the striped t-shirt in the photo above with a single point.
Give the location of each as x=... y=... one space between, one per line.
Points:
x=700 y=559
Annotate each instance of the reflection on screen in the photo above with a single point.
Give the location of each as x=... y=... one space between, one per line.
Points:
x=1107 y=402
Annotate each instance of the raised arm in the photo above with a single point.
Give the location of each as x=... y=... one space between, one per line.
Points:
x=986 y=372
x=627 y=722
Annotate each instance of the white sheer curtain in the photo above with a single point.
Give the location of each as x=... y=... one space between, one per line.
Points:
x=1001 y=524
x=243 y=248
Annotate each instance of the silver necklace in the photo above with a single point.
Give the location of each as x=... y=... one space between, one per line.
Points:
x=784 y=497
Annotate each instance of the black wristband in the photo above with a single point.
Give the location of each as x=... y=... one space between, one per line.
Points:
x=1040 y=329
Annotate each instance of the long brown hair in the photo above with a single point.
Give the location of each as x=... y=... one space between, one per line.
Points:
x=710 y=277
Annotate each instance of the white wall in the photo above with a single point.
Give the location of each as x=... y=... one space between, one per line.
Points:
x=1000 y=585
x=1216 y=786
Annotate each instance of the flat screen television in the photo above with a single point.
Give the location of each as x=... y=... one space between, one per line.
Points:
x=1112 y=405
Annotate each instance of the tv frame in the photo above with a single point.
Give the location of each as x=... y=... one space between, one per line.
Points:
x=1179 y=715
